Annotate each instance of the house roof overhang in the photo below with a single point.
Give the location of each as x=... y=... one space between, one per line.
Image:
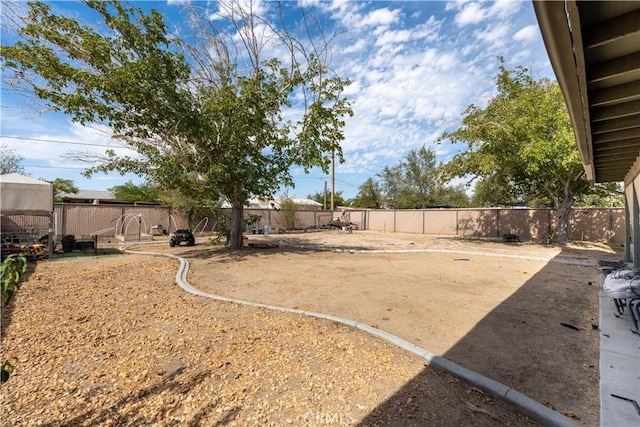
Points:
x=594 y=48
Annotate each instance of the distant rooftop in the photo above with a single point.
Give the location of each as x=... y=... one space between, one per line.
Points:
x=89 y=195
x=96 y=197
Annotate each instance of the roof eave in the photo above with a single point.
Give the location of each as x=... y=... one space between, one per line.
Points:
x=554 y=22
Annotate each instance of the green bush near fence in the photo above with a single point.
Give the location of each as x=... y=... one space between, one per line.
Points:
x=11 y=272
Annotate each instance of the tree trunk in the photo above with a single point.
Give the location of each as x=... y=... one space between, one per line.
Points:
x=563 y=208
x=235 y=228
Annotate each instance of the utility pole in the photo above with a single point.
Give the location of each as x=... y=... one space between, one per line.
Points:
x=333 y=178
x=324 y=203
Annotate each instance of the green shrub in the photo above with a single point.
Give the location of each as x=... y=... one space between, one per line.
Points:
x=13 y=267
x=287 y=214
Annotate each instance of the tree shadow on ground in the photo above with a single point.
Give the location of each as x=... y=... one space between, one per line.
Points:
x=221 y=254
x=542 y=341
x=174 y=383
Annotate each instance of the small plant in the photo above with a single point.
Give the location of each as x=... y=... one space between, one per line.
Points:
x=222 y=229
x=253 y=219
x=5 y=371
x=287 y=214
x=13 y=267
x=219 y=237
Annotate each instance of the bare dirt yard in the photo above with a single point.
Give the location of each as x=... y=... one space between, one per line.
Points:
x=113 y=341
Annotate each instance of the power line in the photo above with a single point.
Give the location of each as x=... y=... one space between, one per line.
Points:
x=109 y=146
x=64 y=142
x=310 y=177
x=54 y=167
x=349 y=184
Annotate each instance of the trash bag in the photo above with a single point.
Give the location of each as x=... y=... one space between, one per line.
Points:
x=68 y=243
x=623 y=283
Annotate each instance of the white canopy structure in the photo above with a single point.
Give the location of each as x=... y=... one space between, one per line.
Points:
x=22 y=195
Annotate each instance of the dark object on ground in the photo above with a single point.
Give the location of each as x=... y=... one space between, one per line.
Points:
x=85 y=245
x=261 y=245
x=344 y=225
x=567 y=325
x=68 y=243
x=635 y=404
x=510 y=238
x=182 y=236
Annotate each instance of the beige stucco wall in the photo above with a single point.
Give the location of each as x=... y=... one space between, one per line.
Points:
x=529 y=224
x=383 y=221
x=409 y=221
x=480 y=223
x=602 y=225
x=587 y=224
x=440 y=222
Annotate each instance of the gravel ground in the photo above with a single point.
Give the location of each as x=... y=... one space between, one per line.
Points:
x=113 y=341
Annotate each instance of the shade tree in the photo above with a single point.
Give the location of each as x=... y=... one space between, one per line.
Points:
x=522 y=140
x=221 y=108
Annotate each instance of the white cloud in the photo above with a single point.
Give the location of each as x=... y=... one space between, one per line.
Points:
x=520 y=57
x=471 y=13
x=227 y=8
x=455 y=4
x=527 y=33
x=504 y=8
x=380 y=17
x=392 y=37
x=356 y=46
x=495 y=35
x=424 y=32
x=309 y=3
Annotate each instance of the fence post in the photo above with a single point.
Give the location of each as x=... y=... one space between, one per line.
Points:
x=121 y=231
x=498 y=223
x=627 y=228
x=610 y=236
x=63 y=220
x=50 y=235
x=636 y=229
x=457 y=223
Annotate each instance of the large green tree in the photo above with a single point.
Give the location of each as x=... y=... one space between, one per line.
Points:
x=63 y=186
x=416 y=182
x=321 y=197
x=369 y=195
x=194 y=209
x=145 y=192
x=523 y=139
x=209 y=112
x=492 y=190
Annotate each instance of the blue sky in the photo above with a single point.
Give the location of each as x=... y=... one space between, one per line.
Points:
x=414 y=66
